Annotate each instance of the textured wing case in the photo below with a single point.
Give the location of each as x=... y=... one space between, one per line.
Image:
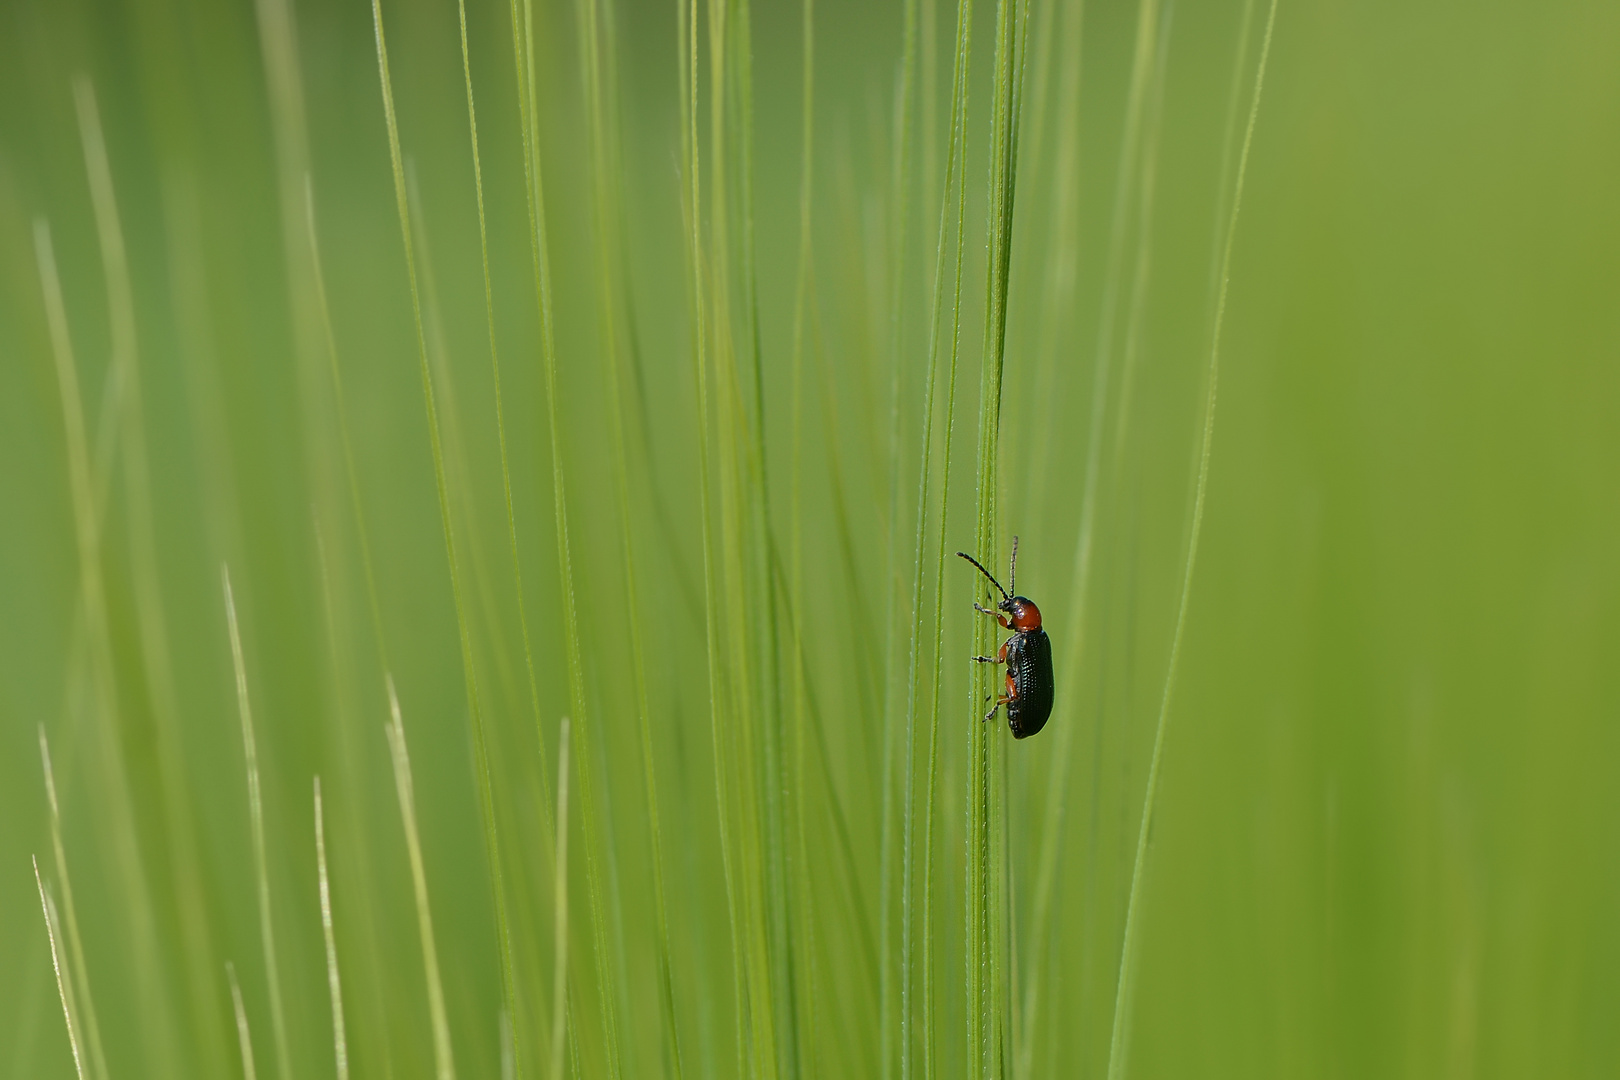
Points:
x=1029 y=662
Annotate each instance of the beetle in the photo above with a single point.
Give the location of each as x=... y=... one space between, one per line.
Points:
x=1027 y=654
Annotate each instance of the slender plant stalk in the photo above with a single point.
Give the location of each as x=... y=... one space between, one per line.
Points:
x=1150 y=105
x=803 y=298
x=559 y=990
x=987 y=939
x=443 y=1059
x=250 y=753
x=954 y=159
x=362 y=533
x=244 y=1037
x=908 y=960
x=485 y=784
x=64 y=981
x=160 y=1030
x=697 y=294
x=897 y=1005
x=506 y=474
x=1127 y=960
x=606 y=214
x=334 y=984
x=86 y=1024
x=595 y=850
x=92 y=591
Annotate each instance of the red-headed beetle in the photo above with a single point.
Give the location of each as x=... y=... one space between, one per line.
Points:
x=1027 y=654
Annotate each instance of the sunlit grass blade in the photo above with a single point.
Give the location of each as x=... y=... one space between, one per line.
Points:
x=607 y=217
x=244 y=1037
x=151 y=621
x=1142 y=199
x=805 y=927
x=64 y=982
x=261 y=869
x=559 y=980
x=334 y=984
x=698 y=326
x=85 y=1009
x=988 y=878
x=484 y=781
x=508 y=972
x=141 y=932
x=443 y=1059
x=1127 y=962
x=596 y=851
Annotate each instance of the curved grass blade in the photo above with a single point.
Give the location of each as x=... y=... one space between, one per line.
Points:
x=1127 y=961
x=443 y=1059
x=64 y=981
x=250 y=753
x=334 y=984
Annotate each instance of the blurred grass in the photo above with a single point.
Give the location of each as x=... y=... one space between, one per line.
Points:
x=1384 y=831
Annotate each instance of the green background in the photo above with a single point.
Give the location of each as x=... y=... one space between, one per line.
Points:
x=1387 y=835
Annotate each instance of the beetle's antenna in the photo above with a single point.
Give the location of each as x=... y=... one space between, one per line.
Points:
x=1012 y=570
x=985 y=572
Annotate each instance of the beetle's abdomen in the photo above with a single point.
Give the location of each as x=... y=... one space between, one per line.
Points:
x=1029 y=666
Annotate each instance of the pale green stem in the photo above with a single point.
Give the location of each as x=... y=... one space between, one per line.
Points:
x=334 y=985
x=261 y=869
x=443 y=1060
x=1127 y=962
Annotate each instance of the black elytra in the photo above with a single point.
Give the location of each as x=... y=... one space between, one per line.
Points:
x=1027 y=654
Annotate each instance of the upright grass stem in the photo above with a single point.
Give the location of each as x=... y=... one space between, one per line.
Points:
x=64 y=981
x=955 y=154
x=559 y=904
x=1127 y=962
x=443 y=1058
x=334 y=983
x=523 y=56
x=261 y=868
x=697 y=293
x=606 y=216
x=1143 y=109
x=83 y=1024
x=161 y=1030
x=244 y=1036
x=484 y=781
x=986 y=907
x=953 y=157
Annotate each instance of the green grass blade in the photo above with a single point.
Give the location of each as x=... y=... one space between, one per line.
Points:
x=261 y=869
x=243 y=1036
x=607 y=215
x=334 y=984
x=1136 y=305
x=988 y=878
x=803 y=899
x=484 y=782
x=64 y=983
x=954 y=154
x=85 y=1008
x=87 y=533
x=443 y=1059
x=595 y=850
x=1122 y=996
x=153 y=636
x=559 y=992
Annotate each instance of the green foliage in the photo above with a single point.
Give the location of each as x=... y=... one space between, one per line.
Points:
x=577 y=393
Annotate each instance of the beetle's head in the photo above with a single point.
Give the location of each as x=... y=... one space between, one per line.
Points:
x=1022 y=613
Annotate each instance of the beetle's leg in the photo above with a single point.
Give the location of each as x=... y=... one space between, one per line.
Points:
x=982 y=610
x=1000 y=701
x=991 y=659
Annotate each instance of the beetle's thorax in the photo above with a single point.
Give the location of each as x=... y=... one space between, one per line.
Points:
x=1022 y=613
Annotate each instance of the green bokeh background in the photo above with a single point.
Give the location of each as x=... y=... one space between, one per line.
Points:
x=1387 y=841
